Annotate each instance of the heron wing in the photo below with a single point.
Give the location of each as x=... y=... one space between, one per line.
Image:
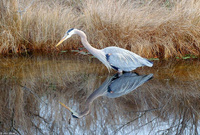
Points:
x=123 y=59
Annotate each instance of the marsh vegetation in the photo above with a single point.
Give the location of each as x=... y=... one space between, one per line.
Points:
x=155 y=28
x=35 y=76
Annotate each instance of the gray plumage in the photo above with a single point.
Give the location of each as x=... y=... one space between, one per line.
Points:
x=113 y=87
x=112 y=57
x=126 y=83
x=124 y=59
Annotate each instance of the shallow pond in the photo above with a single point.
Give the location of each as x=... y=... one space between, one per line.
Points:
x=163 y=99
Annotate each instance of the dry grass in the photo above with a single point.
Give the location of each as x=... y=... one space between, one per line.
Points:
x=155 y=28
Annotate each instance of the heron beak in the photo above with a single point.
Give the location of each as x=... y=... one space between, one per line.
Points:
x=60 y=42
x=63 y=39
x=66 y=107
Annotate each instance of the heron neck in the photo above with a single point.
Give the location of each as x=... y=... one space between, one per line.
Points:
x=86 y=110
x=102 y=90
x=96 y=52
x=84 y=41
x=89 y=102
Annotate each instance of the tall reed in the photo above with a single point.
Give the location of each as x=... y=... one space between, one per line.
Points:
x=149 y=28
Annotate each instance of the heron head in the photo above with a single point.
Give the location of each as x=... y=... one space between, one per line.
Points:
x=67 y=35
x=74 y=114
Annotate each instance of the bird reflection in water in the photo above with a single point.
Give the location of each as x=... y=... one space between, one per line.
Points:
x=113 y=87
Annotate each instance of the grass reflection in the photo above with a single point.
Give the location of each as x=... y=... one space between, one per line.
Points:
x=167 y=104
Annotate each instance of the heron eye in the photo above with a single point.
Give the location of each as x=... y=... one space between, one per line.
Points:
x=67 y=34
x=70 y=30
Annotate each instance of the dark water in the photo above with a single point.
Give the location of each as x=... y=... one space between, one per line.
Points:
x=133 y=103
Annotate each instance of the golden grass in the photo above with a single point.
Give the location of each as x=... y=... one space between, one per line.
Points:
x=149 y=28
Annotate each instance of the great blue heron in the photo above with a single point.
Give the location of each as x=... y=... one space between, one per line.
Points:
x=113 y=87
x=112 y=57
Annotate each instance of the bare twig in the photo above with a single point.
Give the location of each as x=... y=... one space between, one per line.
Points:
x=33 y=93
x=148 y=110
x=13 y=123
x=129 y=123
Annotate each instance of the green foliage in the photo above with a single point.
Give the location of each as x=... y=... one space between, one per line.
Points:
x=187 y=56
x=153 y=59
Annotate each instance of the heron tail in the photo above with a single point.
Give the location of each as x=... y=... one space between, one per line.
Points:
x=148 y=63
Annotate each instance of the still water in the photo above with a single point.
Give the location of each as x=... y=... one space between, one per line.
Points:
x=161 y=100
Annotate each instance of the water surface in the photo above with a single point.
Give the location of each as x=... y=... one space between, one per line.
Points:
x=32 y=86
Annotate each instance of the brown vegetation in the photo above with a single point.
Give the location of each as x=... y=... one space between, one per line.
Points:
x=154 y=28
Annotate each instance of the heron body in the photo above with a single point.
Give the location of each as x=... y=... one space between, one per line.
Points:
x=112 y=57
